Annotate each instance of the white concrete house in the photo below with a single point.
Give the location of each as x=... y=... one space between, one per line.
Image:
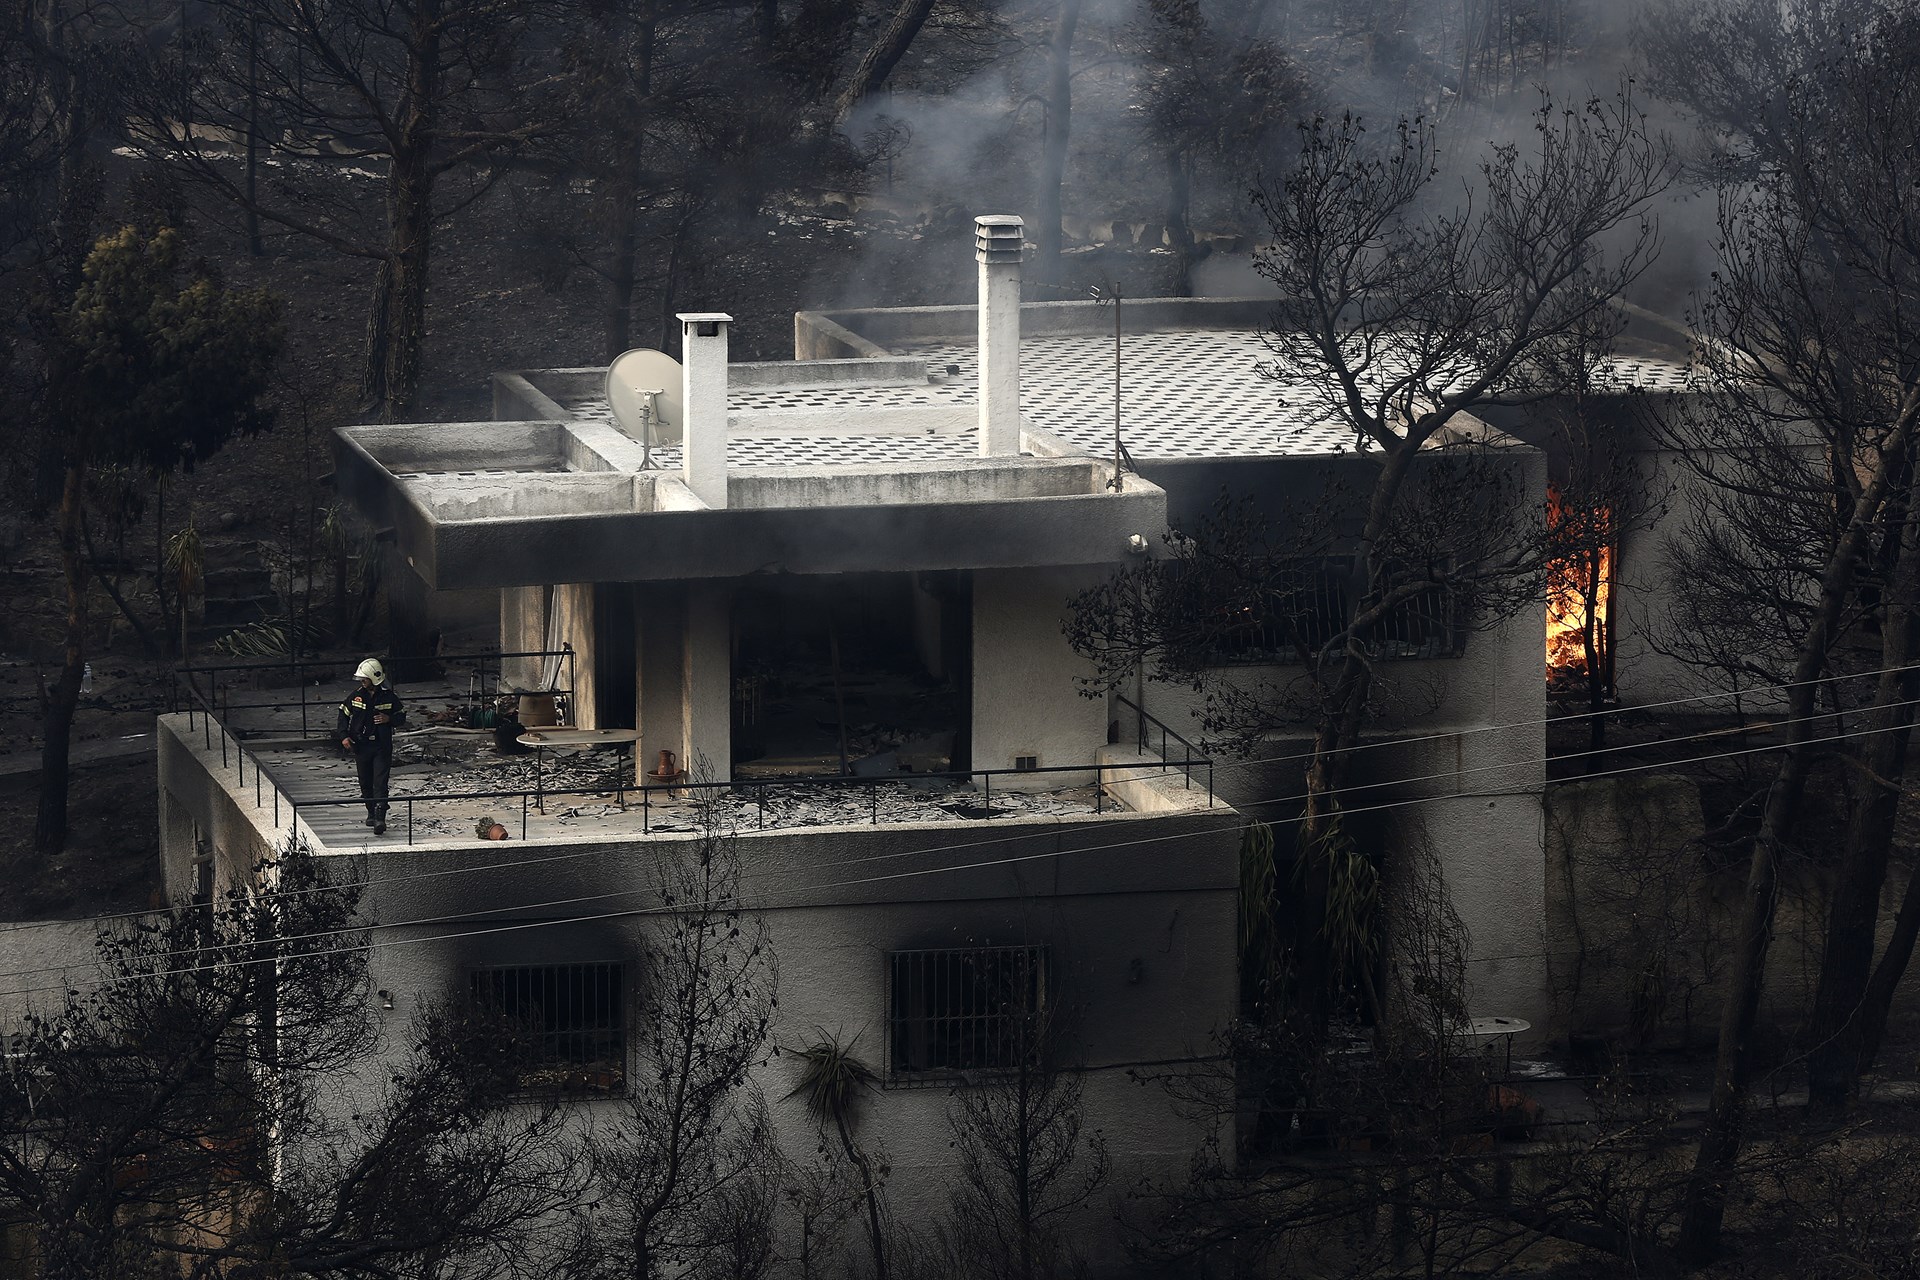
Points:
x=864 y=555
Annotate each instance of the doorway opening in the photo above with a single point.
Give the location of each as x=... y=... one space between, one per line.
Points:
x=866 y=674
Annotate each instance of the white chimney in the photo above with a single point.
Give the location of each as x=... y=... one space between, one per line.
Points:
x=998 y=239
x=703 y=387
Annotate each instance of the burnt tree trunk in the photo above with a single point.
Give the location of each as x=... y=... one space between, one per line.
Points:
x=1053 y=150
x=1597 y=641
x=50 y=825
x=880 y=59
x=1179 y=219
x=1887 y=974
x=870 y=1194
x=626 y=240
x=396 y=329
x=626 y=197
x=1724 y=1132
x=1836 y=1062
x=76 y=187
x=1334 y=739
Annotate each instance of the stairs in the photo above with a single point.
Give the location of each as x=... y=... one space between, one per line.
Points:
x=235 y=596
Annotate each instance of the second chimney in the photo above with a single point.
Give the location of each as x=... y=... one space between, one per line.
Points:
x=703 y=385
x=998 y=239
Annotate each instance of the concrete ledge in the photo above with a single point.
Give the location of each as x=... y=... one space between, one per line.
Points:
x=557 y=386
x=454 y=498
x=518 y=445
x=593 y=446
x=873 y=331
x=816 y=336
x=515 y=397
x=666 y=545
x=854 y=420
x=859 y=371
x=961 y=480
x=1148 y=784
x=486 y=531
x=518 y=394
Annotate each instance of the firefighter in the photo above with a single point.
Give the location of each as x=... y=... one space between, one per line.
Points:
x=365 y=727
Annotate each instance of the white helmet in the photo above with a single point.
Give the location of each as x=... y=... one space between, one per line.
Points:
x=371 y=670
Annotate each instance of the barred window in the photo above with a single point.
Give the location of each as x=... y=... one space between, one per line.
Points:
x=967 y=1009
x=1311 y=605
x=573 y=1017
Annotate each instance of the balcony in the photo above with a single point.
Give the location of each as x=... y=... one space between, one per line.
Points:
x=262 y=733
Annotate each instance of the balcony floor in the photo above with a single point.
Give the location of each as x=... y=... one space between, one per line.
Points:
x=597 y=798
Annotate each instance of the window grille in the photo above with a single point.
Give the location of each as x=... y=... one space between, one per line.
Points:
x=1310 y=605
x=967 y=1009
x=572 y=1018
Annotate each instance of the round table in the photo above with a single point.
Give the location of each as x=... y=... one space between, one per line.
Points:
x=562 y=736
x=1491 y=1027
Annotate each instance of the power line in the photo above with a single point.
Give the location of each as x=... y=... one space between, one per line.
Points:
x=1003 y=838
x=1007 y=837
x=1216 y=766
x=876 y=879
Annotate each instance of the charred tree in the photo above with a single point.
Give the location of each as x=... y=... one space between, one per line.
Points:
x=890 y=45
x=147 y=1120
x=150 y=367
x=1811 y=357
x=431 y=94
x=693 y=1132
x=1214 y=94
x=1398 y=321
x=1056 y=137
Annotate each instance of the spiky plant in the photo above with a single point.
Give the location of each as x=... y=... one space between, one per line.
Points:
x=832 y=1080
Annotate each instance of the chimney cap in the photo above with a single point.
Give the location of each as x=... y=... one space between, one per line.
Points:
x=999 y=237
x=708 y=317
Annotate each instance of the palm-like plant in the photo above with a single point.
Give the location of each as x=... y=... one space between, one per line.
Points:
x=832 y=1080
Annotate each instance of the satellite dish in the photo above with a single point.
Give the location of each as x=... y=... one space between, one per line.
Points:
x=644 y=392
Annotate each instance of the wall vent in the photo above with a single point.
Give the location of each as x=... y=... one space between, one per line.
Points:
x=1026 y=764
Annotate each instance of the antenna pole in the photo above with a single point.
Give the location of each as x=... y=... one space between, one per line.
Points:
x=647 y=420
x=1117 y=451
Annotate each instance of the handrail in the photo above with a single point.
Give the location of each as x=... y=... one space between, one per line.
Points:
x=1190 y=755
x=212 y=702
x=538 y=793
x=238 y=761
x=534 y=797
x=274 y=664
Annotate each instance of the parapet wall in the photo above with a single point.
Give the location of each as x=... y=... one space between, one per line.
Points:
x=872 y=332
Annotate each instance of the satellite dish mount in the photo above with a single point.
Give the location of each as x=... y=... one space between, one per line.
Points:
x=645 y=394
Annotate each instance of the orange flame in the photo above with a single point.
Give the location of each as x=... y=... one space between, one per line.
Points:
x=1579 y=584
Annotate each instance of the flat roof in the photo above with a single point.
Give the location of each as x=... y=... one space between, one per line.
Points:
x=1190 y=393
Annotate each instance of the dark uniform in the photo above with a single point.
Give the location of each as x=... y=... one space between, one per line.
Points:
x=372 y=743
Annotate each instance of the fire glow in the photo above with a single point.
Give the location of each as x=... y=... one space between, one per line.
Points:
x=1578 y=585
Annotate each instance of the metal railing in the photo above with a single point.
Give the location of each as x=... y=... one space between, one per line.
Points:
x=270 y=796
x=1191 y=757
x=222 y=679
x=206 y=717
x=647 y=795
x=234 y=755
x=1311 y=604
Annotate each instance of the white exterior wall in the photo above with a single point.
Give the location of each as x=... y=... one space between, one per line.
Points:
x=707 y=682
x=832 y=978
x=1137 y=914
x=1467 y=785
x=523 y=629
x=220 y=795
x=1025 y=700
x=1646 y=589
x=573 y=603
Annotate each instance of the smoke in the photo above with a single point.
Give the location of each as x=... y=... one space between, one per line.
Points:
x=942 y=150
